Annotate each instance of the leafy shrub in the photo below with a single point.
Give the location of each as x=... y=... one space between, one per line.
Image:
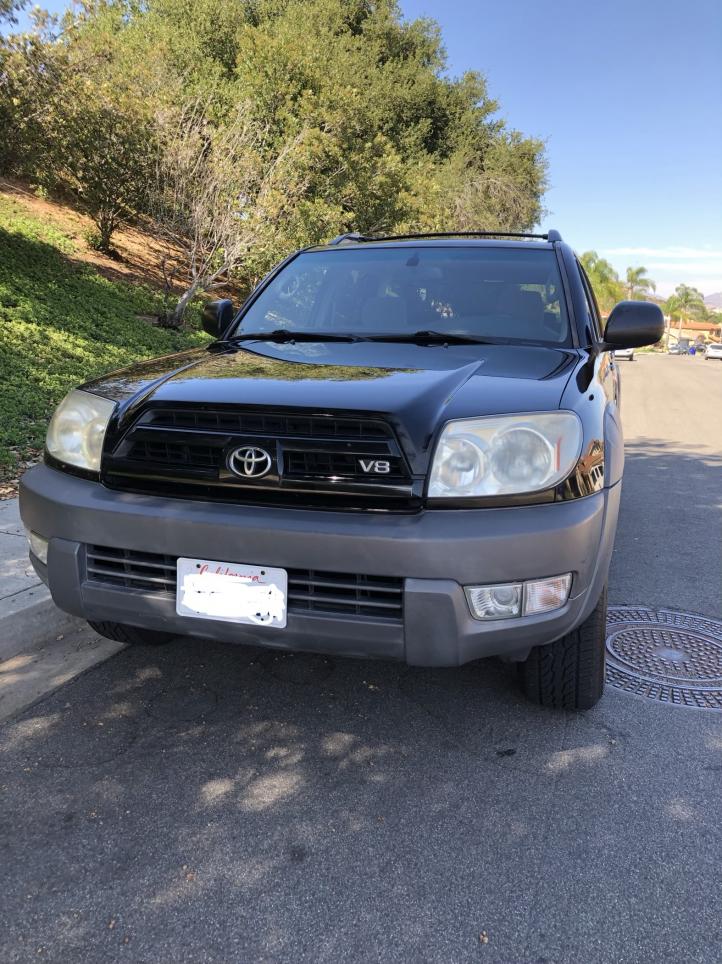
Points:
x=93 y=239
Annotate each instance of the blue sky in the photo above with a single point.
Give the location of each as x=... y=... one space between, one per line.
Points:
x=627 y=95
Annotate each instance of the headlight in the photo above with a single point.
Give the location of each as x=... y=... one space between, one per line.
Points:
x=76 y=430
x=505 y=455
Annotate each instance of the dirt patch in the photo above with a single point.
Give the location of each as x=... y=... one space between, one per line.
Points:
x=140 y=257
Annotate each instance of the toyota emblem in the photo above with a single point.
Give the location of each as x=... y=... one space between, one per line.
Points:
x=250 y=462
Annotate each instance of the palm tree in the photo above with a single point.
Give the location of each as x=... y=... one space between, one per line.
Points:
x=684 y=302
x=639 y=284
x=604 y=279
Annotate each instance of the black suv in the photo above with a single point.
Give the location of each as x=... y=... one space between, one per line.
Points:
x=404 y=447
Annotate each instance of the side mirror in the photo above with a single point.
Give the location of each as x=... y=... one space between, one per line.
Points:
x=217 y=316
x=633 y=324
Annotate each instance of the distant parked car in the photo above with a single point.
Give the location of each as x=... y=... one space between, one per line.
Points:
x=713 y=351
x=676 y=350
x=627 y=353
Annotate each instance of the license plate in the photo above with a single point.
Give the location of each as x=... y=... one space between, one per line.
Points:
x=232 y=592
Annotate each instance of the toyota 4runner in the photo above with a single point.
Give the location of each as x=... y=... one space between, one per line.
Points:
x=402 y=447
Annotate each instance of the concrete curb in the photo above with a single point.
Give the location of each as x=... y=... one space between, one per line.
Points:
x=28 y=616
x=41 y=647
x=30 y=619
x=30 y=676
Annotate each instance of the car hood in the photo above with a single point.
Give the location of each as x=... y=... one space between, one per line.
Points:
x=416 y=387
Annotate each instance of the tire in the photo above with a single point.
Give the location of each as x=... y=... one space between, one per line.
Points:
x=568 y=674
x=132 y=635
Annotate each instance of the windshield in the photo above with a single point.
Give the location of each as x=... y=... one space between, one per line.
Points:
x=493 y=294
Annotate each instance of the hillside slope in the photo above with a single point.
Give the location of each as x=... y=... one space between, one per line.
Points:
x=66 y=316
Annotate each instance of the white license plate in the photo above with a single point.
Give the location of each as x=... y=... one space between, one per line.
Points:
x=231 y=591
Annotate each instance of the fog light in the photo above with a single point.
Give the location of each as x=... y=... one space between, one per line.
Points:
x=38 y=546
x=495 y=602
x=543 y=595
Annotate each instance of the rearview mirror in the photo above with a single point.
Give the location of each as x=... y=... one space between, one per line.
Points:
x=217 y=316
x=633 y=324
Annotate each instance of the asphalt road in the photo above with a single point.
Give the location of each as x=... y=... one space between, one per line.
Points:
x=667 y=551
x=202 y=802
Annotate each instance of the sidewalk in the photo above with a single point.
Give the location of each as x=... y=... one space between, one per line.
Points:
x=41 y=647
x=27 y=614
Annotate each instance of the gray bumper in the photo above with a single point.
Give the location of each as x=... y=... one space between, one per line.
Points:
x=435 y=552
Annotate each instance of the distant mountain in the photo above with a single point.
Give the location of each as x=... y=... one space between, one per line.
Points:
x=714 y=301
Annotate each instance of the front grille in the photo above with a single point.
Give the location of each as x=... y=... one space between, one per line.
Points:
x=310 y=591
x=173 y=453
x=334 y=464
x=332 y=592
x=328 y=460
x=131 y=570
x=267 y=423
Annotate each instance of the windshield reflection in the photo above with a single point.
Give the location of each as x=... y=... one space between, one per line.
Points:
x=510 y=294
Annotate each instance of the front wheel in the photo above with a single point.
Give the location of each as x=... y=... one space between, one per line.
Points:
x=568 y=674
x=132 y=635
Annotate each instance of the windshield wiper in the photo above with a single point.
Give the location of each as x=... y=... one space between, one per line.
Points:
x=285 y=334
x=427 y=337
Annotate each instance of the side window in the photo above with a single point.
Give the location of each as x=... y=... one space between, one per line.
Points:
x=595 y=325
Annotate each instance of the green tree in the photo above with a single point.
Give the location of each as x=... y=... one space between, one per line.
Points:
x=604 y=280
x=686 y=302
x=8 y=9
x=216 y=194
x=374 y=134
x=77 y=120
x=101 y=155
x=639 y=284
x=30 y=64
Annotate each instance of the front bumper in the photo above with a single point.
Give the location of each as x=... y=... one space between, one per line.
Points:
x=435 y=552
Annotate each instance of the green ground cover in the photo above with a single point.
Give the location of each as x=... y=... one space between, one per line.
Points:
x=61 y=323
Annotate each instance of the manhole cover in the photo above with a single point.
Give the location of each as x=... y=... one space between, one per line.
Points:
x=665 y=655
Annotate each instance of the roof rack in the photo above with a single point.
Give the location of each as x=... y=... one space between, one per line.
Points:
x=551 y=235
x=351 y=236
